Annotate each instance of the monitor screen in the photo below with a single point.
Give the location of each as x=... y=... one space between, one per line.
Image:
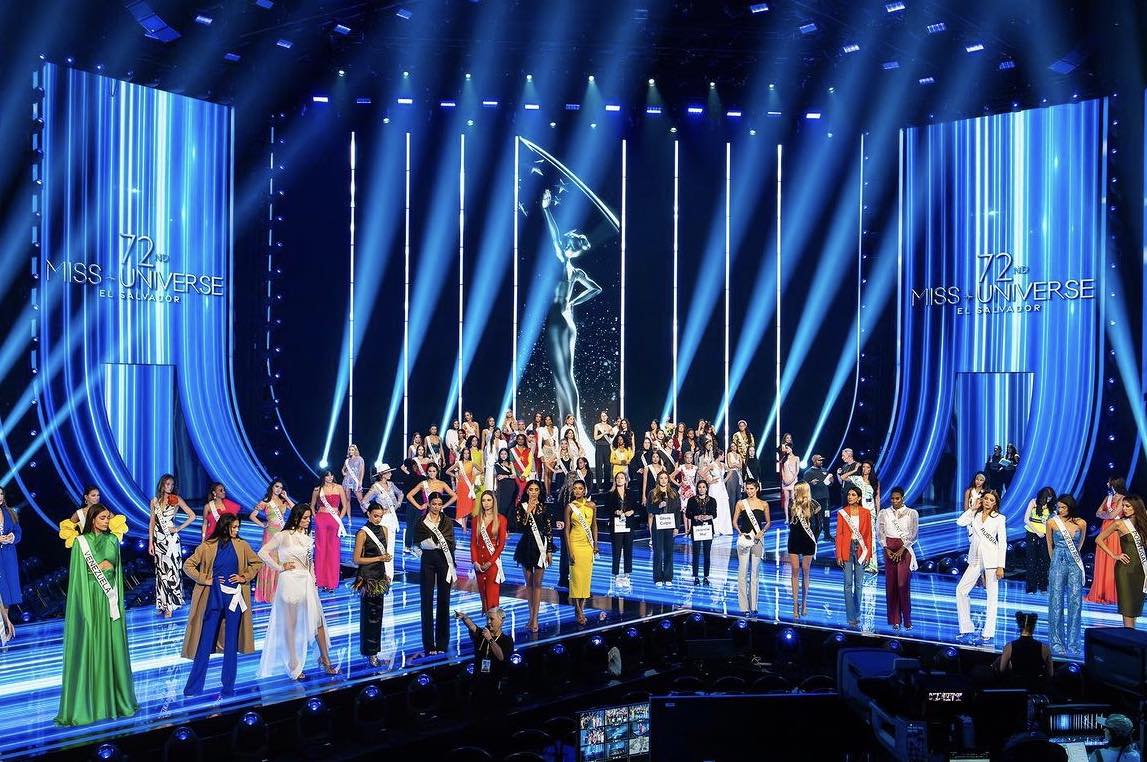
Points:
x=616 y=732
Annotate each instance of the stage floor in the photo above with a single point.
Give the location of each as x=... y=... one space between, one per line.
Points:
x=30 y=679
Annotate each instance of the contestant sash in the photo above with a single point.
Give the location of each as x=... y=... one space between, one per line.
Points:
x=1138 y=548
x=1071 y=549
x=537 y=539
x=854 y=527
x=451 y=574
x=236 y=594
x=807 y=530
x=912 y=565
x=520 y=464
x=101 y=578
x=330 y=511
x=160 y=515
x=484 y=535
x=214 y=511
x=352 y=474
x=466 y=478
x=579 y=517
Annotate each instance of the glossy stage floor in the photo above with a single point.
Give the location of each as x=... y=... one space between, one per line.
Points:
x=30 y=674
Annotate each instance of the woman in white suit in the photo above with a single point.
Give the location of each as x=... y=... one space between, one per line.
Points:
x=987 y=556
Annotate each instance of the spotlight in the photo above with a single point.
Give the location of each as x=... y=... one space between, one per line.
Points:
x=529 y=77
x=182 y=744
x=469 y=122
x=249 y=737
x=342 y=29
x=733 y=114
x=467 y=76
x=342 y=72
x=555 y=665
x=946 y=658
x=284 y=43
x=553 y=125
x=422 y=695
x=612 y=107
x=591 y=79
x=712 y=85
x=406 y=75
x=742 y=634
x=695 y=627
x=108 y=751
x=752 y=132
x=788 y=640
x=532 y=107
x=369 y=709
x=404 y=13
x=851 y=47
x=894 y=645
x=975 y=47
x=594 y=657
x=323 y=463
x=808 y=28
x=651 y=82
x=313 y=722
x=695 y=110
x=758 y=7
x=936 y=28
x=632 y=648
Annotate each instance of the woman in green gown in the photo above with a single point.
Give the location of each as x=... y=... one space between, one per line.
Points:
x=96 y=683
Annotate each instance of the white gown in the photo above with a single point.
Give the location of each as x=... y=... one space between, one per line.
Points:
x=723 y=524
x=296 y=612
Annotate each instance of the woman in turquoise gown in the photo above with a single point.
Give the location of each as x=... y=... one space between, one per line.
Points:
x=96 y=683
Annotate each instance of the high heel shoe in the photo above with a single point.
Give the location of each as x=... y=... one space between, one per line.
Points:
x=328 y=667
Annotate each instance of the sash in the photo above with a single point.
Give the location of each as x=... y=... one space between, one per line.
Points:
x=352 y=474
x=330 y=511
x=580 y=519
x=236 y=594
x=279 y=518
x=521 y=465
x=465 y=478
x=1138 y=548
x=752 y=520
x=912 y=565
x=538 y=539
x=854 y=527
x=807 y=530
x=490 y=548
x=1071 y=549
x=985 y=534
x=214 y=511
x=451 y=574
x=101 y=578
x=377 y=543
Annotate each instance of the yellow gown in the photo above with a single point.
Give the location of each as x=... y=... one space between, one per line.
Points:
x=581 y=551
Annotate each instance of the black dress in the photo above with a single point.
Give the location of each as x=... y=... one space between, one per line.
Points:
x=506 y=491
x=527 y=554
x=371 y=583
x=799 y=541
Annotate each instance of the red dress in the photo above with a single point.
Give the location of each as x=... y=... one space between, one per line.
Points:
x=488 y=581
x=522 y=459
x=209 y=519
x=327 y=542
x=1103 y=580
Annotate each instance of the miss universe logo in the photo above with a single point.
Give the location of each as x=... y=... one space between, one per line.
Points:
x=143 y=275
x=1001 y=287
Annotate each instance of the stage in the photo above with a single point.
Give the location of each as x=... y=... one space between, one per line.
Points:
x=30 y=681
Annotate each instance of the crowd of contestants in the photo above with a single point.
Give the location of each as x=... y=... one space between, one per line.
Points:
x=532 y=485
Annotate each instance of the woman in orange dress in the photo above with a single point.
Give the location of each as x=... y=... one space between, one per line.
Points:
x=1103 y=580
x=467 y=482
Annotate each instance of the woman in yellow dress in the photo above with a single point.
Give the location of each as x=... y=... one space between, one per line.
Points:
x=620 y=456
x=581 y=539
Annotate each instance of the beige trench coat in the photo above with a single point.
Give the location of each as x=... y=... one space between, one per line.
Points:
x=199 y=567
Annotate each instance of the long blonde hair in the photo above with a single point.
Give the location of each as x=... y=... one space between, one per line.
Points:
x=802 y=501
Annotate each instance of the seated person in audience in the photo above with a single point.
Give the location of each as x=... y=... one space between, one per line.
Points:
x=1025 y=661
x=1119 y=734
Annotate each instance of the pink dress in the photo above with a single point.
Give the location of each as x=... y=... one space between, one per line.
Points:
x=268 y=577
x=327 y=545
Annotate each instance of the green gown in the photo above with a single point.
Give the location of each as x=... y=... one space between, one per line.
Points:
x=96 y=684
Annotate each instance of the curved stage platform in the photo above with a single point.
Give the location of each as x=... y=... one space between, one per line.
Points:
x=30 y=681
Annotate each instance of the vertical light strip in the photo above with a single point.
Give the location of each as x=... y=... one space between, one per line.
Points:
x=406 y=309
x=676 y=211
x=728 y=214
x=461 y=256
x=350 y=309
x=621 y=350
x=777 y=424
x=514 y=326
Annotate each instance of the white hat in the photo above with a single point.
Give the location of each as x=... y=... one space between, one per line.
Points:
x=382 y=468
